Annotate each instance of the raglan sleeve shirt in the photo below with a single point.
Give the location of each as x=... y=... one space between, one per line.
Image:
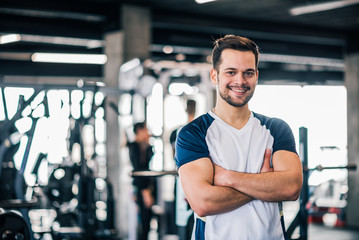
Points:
x=191 y=144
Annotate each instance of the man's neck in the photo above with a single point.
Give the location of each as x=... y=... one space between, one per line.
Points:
x=237 y=117
x=190 y=118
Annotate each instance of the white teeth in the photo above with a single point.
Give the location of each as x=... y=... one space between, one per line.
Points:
x=238 y=90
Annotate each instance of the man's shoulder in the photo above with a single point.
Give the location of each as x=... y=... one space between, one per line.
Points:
x=200 y=124
x=281 y=132
x=191 y=140
x=269 y=121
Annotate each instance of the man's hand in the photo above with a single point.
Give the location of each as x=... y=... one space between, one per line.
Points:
x=286 y=169
x=266 y=162
x=220 y=176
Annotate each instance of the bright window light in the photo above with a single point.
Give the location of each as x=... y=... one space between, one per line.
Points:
x=155 y=110
x=325 y=6
x=9 y=38
x=312 y=107
x=69 y=58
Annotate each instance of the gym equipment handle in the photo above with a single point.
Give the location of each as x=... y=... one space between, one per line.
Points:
x=350 y=167
x=152 y=173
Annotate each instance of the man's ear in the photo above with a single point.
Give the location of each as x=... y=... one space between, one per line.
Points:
x=214 y=76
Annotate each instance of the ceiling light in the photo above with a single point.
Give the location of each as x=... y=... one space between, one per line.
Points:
x=319 y=7
x=167 y=49
x=69 y=58
x=9 y=38
x=81 y=42
x=130 y=65
x=180 y=57
x=204 y=1
x=57 y=40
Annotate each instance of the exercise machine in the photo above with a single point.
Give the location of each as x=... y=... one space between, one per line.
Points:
x=301 y=218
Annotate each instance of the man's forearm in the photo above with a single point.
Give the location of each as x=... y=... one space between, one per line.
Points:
x=216 y=200
x=283 y=182
x=270 y=186
x=204 y=197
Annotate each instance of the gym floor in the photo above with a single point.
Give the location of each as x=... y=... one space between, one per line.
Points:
x=321 y=232
x=315 y=232
x=318 y=231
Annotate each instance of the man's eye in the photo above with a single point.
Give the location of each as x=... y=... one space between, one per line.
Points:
x=231 y=73
x=249 y=74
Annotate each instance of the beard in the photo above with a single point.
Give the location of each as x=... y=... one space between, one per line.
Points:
x=233 y=101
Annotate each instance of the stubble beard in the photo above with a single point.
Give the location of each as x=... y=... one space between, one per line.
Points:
x=230 y=100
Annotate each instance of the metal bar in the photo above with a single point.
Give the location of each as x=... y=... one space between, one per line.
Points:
x=304 y=194
x=4 y=102
x=350 y=166
x=152 y=173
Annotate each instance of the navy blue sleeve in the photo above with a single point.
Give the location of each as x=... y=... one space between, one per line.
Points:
x=283 y=136
x=281 y=132
x=191 y=141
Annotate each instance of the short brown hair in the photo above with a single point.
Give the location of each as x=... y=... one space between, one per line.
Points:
x=191 y=106
x=233 y=42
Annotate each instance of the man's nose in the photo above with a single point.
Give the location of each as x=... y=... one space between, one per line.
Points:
x=240 y=79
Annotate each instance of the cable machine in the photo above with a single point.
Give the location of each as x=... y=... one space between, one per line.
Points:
x=66 y=182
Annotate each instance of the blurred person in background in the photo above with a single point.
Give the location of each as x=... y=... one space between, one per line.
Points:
x=183 y=213
x=141 y=153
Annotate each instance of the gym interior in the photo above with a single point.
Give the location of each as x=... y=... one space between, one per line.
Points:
x=76 y=76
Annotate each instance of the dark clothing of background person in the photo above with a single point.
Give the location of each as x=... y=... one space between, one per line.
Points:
x=184 y=232
x=140 y=154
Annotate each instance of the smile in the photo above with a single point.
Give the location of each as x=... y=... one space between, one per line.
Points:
x=238 y=90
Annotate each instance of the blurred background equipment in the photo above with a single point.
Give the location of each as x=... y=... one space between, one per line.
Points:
x=13 y=225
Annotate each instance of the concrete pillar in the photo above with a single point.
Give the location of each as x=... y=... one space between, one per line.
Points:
x=132 y=41
x=136 y=24
x=114 y=52
x=352 y=85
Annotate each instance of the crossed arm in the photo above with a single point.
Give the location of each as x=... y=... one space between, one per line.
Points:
x=282 y=184
x=211 y=189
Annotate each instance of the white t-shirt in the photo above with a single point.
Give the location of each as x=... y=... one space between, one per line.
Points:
x=243 y=151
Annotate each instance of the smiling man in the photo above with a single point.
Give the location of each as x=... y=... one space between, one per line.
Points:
x=236 y=166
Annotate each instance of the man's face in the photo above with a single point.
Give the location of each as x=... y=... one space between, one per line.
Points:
x=236 y=77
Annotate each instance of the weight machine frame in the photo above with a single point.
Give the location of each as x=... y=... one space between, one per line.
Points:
x=301 y=219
